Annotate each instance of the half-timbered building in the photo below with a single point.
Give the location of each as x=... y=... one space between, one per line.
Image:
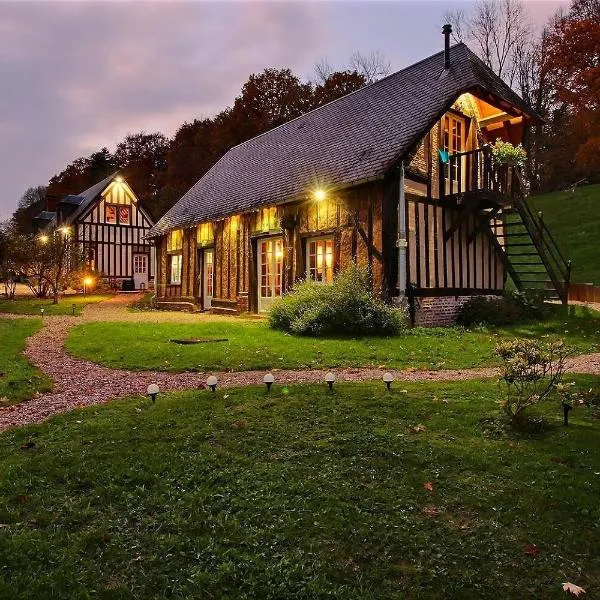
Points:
x=111 y=225
x=398 y=176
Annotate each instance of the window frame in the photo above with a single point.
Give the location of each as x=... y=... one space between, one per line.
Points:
x=179 y=257
x=309 y=268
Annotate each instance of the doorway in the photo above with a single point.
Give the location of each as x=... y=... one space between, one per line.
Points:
x=208 y=277
x=270 y=271
x=454 y=142
x=140 y=271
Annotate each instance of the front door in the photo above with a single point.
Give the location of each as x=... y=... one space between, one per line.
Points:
x=208 y=272
x=140 y=271
x=454 y=142
x=270 y=271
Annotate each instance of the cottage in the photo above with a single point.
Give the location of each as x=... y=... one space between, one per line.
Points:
x=109 y=222
x=398 y=176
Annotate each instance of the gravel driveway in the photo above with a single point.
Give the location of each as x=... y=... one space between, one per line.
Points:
x=81 y=383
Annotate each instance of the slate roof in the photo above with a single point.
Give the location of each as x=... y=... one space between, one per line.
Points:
x=88 y=196
x=46 y=215
x=355 y=138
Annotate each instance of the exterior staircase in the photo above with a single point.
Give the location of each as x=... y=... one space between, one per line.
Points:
x=531 y=255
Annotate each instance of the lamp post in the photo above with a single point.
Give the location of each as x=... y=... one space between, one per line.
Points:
x=387 y=379
x=268 y=380
x=211 y=382
x=330 y=379
x=153 y=392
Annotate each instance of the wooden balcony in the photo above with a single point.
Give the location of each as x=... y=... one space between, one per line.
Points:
x=475 y=175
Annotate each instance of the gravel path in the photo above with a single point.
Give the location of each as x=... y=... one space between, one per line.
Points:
x=81 y=383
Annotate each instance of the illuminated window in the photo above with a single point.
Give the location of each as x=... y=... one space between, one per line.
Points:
x=319 y=254
x=209 y=272
x=124 y=215
x=175 y=269
x=175 y=240
x=454 y=143
x=110 y=213
x=204 y=234
x=267 y=219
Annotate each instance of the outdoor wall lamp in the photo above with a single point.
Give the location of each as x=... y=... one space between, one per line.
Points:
x=268 y=380
x=330 y=379
x=211 y=382
x=387 y=379
x=153 y=392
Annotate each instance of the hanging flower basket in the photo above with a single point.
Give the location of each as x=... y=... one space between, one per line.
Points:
x=505 y=153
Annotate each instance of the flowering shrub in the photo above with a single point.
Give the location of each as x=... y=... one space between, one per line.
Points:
x=505 y=153
x=531 y=371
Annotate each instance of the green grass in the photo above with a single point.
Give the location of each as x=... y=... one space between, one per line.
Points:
x=19 y=380
x=574 y=220
x=31 y=306
x=300 y=494
x=253 y=345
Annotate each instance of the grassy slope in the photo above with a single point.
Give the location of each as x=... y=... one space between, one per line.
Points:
x=574 y=220
x=252 y=345
x=19 y=379
x=32 y=306
x=300 y=494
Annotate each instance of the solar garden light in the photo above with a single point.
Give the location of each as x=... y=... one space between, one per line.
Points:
x=153 y=392
x=73 y=309
x=42 y=312
x=268 y=380
x=566 y=409
x=211 y=382
x=387 y=379
x=330 y=379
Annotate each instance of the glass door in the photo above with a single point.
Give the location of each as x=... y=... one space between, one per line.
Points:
x=270 y=271
x=454 y=142
x=208 y=270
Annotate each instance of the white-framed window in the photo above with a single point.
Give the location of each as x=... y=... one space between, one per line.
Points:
x=140 y=263
x=175 y=269
x=319 y=259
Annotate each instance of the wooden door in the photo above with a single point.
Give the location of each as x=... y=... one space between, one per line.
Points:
x=208 y=272
x=454 y=142
x=140 y=271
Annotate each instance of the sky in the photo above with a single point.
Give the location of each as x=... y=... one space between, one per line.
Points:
x=77 y=76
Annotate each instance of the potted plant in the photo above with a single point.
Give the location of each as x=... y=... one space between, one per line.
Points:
x=505 y=153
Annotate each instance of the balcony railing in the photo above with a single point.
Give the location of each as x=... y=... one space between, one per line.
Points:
x=477 y=171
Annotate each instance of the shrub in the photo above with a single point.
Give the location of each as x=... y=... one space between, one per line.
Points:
x=530 y=371
x=347 y=306
x=511 y=308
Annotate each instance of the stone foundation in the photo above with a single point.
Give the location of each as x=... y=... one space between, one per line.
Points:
x=438 y=312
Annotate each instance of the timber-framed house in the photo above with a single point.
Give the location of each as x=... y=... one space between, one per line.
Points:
x=398 y=175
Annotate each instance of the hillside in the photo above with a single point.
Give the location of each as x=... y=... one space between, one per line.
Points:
x=574 y=220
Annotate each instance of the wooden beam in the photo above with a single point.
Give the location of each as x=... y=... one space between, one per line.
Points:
x=466 y=210
x=484 y=222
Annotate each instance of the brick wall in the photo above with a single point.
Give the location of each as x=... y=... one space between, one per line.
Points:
x=438 y=312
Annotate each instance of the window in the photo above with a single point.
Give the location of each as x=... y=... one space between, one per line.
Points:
x=139 y=263
x=271 y=267
x=175 y=269
x=110 y=213
x=209 y=271
x=175 y=240
x=319 y=254
x=454 y=128
x=124 y=215
x=204 y=234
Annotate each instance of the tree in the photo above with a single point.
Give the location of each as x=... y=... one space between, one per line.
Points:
x=31 y=203
x=371 y=67
x=46 y=261
x=336 y=85
x=499 y=30
x=8 y=274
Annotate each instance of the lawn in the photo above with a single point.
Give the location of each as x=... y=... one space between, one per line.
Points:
x=27 y=305
x=301 y=494
x=253 y=345
x=574 y=220
x=19 y=380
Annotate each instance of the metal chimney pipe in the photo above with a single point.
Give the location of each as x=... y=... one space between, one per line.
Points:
x=447 y=30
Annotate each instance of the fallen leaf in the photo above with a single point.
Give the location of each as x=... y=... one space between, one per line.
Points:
x=571 y=588
x=431 y=511
x=428 y=486
x=418 y=428
x=531 y=550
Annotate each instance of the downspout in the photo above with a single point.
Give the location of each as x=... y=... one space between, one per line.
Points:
x=401 y=242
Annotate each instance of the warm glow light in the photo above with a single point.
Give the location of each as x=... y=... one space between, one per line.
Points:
x=43 y=239
x=319 y=195
x=119 y=179
x=88 y=281
x=65 y=230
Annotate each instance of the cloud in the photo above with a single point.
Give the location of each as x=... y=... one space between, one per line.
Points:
x=77 y=76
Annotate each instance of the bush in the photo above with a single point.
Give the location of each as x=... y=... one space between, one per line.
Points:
x=531 y=371
x=347 y=306
x=512 y=308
